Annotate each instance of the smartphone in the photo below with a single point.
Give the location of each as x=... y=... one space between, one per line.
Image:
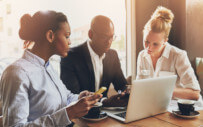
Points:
x=101 y=90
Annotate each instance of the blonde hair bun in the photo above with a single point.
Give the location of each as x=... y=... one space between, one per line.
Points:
x=163 y=13
x=160 y=21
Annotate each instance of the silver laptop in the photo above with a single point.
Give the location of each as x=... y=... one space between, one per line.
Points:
x=148 y=97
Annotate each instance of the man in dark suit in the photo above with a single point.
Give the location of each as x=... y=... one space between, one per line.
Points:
x=93 y=64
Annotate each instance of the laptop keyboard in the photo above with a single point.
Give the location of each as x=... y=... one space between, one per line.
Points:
x=122 y=114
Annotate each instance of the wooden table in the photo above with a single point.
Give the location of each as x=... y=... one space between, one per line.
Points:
x=162 y=120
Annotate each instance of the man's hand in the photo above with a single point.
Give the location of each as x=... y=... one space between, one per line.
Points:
x=82 y=107
x=84 y=94
x=119 y=100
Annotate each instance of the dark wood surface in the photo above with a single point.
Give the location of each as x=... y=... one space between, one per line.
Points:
x=162 y=120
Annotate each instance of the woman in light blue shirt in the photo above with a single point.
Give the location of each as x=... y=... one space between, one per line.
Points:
x=32 y=93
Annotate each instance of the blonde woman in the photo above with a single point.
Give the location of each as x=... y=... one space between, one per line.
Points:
x=160 y=58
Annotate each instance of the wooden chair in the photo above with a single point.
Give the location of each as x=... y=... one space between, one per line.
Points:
x=199 y=72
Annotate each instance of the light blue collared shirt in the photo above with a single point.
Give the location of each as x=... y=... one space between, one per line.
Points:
x=33 y=94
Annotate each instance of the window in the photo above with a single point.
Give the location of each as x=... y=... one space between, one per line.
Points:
x=1 y=24
x=79 y=13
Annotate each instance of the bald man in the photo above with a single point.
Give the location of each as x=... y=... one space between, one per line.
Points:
x=93 y=64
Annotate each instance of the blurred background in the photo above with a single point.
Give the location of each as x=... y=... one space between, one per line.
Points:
x=129 y=17
x=79 y=13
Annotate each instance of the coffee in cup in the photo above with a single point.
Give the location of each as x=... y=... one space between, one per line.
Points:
x=186 y=106
x=95 y=111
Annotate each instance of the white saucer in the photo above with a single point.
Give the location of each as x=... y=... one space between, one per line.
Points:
x=102 y=116
x=192 y=114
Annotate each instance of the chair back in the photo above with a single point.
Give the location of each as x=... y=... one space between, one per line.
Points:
x=199 y=72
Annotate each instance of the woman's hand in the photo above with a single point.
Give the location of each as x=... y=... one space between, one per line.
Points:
x=82 y=107
x=84 y=94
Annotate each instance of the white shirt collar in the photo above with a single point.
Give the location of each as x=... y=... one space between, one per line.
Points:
x=145 y=53
x=92 y=53
x=166 y=51
x=34 y=59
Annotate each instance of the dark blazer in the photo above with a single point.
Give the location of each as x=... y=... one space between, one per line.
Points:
x=77 y=71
